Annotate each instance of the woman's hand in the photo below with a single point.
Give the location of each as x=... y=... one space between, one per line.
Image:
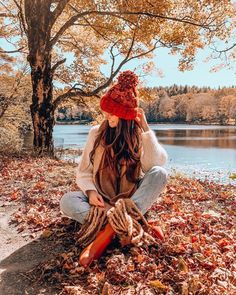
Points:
x=95 y=199
x=141 y=120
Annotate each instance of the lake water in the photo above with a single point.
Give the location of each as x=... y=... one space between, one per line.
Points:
x=195 y=150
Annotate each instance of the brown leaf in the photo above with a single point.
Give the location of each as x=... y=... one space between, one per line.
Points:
x=184 y=290
x=125 y=240
x=182 y=266
x=158 y=284
x=46 y=234
x=106 y=290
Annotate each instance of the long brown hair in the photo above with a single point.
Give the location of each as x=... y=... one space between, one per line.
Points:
x=120 y=143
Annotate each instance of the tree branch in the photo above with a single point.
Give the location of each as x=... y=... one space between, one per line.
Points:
x=96 y=30
x=112 y=75
x=73 y=92
x=58 y=10
x=73 y=42
x=225 y=50
x=60 y=62
x=7 y=15
x=152 y=15
x=21 y=17
x=11 y=51
x=68 y=94
x=119 y=14
x=68 y=24
x=112 y=57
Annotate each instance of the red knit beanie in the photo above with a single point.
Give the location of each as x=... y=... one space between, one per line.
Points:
x=121 y=99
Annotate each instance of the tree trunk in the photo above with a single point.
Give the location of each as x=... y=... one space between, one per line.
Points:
x=38 y=19
x=42 y=110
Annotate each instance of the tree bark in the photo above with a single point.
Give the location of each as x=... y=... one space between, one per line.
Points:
x=42 y=110
x=38 y=19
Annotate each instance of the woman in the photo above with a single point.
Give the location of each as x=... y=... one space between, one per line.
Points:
x=122 y=159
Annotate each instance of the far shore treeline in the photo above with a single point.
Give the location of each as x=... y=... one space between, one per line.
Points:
x=173 y=104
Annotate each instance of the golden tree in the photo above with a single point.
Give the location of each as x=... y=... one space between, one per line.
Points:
x=50 y=30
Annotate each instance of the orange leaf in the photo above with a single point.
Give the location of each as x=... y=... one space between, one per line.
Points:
x=140 y=258
x=39 y=186
x=157 y=231
x=182 y=265
x=158 y=284
x=14 y=196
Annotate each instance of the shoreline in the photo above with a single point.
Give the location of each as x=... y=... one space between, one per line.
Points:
x=159 y=123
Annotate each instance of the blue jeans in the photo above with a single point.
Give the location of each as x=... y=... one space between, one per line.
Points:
x=75 y=204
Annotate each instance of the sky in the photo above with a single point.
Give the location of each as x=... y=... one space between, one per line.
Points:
x=199 y=76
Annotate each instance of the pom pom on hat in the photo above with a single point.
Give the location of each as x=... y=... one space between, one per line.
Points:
x=127 y=80
x=121 y=99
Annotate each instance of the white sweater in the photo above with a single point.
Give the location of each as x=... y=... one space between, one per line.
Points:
x=152 y=154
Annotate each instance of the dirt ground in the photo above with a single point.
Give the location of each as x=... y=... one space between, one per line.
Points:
x=20 y=253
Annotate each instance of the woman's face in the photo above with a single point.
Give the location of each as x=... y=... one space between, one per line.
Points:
x=112 y=119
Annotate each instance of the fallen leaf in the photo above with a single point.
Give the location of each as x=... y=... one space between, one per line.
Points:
x=14 y=196
x=184 y=290
x=46 y=234
x=106 y=290
x=158 y=284
x=182 y=265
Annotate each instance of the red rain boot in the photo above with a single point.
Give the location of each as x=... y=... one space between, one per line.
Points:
x=94 y=250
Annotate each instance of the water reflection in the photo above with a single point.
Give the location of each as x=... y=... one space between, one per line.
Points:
x=220 y=138
x=195 y=136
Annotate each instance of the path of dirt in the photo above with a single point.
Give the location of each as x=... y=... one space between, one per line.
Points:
x=20 y=253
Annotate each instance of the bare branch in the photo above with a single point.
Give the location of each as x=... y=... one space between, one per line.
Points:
x=226 y=49
x=60 y=62
x=69 y=94
x=12 y=51
x=217 y=54
x=113 y=58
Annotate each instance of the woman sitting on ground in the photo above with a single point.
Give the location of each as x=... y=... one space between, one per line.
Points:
x=122 y=159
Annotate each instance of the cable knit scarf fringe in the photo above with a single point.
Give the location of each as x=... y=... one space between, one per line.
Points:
x=124 y=217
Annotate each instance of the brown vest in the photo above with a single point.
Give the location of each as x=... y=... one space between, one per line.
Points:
x=112 y=188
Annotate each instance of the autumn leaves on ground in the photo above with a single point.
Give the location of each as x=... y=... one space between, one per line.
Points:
x=197 y=256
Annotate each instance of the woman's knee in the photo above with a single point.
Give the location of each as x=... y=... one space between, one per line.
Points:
x=64 y=203
x=75 y=205
x=158 y=172
x=67 y=202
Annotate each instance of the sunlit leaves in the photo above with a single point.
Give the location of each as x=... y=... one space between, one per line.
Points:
x=197 y=218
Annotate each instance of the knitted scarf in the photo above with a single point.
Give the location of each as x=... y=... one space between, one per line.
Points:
x=124 y=216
